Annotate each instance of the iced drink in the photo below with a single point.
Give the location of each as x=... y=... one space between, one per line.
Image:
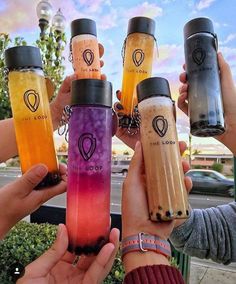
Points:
x=31 y=113
x=138 y=58
x=85 y=50
x=89 y=169
x=167 y=196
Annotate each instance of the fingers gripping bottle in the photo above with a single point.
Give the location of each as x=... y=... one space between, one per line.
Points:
x=31 y=111
x=89 y=166
x=205 y=100
x=138 y=58
x=167 y=195
x=85 y=50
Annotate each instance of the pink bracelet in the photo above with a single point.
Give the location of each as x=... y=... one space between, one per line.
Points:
x=143 y=242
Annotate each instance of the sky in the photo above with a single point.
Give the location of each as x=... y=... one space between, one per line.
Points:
x=18 y=18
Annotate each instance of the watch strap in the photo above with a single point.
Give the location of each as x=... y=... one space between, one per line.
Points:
x=143 y=242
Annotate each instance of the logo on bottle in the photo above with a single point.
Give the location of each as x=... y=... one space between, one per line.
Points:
x=32 y=100
x=160 y=125
x=87 y=145
x=138 y=57
x=88 y=56
x=199 y=55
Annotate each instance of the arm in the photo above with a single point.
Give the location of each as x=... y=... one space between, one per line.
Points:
x=149 y=267
x=8 y=146
x=208 y=233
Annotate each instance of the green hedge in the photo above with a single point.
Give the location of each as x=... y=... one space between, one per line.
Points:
x=26 y=241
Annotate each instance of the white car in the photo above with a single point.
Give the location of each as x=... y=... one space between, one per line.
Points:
x=120 y=166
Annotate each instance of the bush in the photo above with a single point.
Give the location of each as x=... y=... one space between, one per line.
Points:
x=27 y=241
x=197 y=167
x=217 y=167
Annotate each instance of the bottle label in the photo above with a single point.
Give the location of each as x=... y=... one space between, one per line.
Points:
x=87 y=145
x=138 y=57
x=88 y=57
x=31 y=100
x=160 y=125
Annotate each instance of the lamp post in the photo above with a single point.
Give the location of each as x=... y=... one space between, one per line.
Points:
x=44 y=13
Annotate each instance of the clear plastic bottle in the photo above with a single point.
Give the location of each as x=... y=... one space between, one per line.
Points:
x=138 y=59
x=205 y=99
x=85 y=50
x=89 y=166
x=167 y=195
x=31 y=111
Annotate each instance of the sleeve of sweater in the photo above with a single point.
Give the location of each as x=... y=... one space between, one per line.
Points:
x=154 y=274
x=208 y=233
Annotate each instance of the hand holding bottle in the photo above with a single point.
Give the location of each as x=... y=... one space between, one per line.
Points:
x=19 y=199
x=229 y=102
x=55 y=265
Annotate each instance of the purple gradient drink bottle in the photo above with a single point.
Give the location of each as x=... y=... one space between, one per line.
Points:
x=89 y=166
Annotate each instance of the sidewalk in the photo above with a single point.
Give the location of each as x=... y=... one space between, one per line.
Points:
x=208 y=272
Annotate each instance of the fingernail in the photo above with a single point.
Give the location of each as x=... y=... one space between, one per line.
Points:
x=119 y=106
x=137 y=146
x=59 y=230
x=41 y=170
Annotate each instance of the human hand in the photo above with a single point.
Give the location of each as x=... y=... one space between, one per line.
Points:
x=63 y=97
x=135 y=219
x=18 y=199
x=55 y=265
x=122 y=133
x=229 y=101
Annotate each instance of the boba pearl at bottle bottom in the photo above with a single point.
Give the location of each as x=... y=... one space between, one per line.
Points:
x=88 y=193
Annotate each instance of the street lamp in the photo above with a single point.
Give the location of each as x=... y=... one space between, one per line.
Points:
x=44 y=13
x=58 y=22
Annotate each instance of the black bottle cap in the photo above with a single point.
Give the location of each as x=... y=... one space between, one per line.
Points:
x=198 y=25
x=23 y=56
x=83 y=26
x=141 y=25
x=91 y=92
x=153 y=87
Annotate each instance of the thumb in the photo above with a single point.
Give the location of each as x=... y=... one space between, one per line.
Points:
x=225 y=72
x=30 y=179
x=136 y=164
x=98 y=267
x=42 y=265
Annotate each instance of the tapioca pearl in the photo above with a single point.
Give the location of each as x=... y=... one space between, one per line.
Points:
x=187 y=212
x=158 y=216
x=202 y=116
x=179 y=213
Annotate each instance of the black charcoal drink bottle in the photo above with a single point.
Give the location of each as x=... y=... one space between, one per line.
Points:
x=205 y=100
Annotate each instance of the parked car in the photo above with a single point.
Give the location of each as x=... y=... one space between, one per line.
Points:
x=210 y=182
x=120 y=166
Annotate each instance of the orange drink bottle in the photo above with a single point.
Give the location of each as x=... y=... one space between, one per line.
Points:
x=138 y=58
x=31 y=112
x=85 y=50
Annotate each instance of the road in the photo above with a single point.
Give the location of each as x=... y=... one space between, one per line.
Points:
x=196 y=201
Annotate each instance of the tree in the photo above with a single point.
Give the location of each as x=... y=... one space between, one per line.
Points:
x=51 y=45
x=217 y=167
x=5 y=108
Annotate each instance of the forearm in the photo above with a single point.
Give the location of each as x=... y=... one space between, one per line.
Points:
x=136 y=259
x=209 y=233
x=56 y=113
x=149 y=268
x=8 y=147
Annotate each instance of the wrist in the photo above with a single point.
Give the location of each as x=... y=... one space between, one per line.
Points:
x=134 y=260
x=56 y=113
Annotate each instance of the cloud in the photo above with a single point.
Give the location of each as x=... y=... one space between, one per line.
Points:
x=108 y=21
x=203 y=4
x=145 y=9
x=228 y=39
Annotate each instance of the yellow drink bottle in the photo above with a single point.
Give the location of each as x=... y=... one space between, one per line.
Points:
x=31 y=112
x=138 y=58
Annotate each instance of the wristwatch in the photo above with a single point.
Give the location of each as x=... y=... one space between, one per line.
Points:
x=144 y=242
